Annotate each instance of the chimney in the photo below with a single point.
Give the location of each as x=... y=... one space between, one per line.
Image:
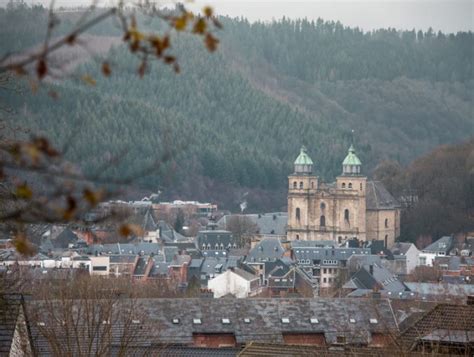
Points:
x=470 y=300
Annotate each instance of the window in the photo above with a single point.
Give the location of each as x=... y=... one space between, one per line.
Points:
x=247 y=320
x=295 y=184
x=285 y=320
x=312 y=184
x=361 y=186
x=350 y=184
x=175 y=321
x=324 y=280
x=298 y=213
x=386 y=240
x=322 y=205
x=301 y=184
x=314 y=320
x=297 y=237
x=341 y=339
x=373 y=321
x=225 y=321
x=197 y=321
x=352 y=321
x=325 y=271
x=346 y=214
x=386 y=222
x=322 y=221
x=339 y=239
x=343 y=185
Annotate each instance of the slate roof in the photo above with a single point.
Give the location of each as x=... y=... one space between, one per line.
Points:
x=266 y=249
x=276 y=268
x=378 y=198
x=266 y=319
x=442 y=245
x=380 y=278
x=125 y=248
x=215 y=239
x=267 y=223
x=122 y=258
x=401 y=248
x=168 y=234
x=433 y=289
x=65 y=238
x=307 y=255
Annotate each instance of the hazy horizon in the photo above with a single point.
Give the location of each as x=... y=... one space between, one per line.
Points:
x=445 y=15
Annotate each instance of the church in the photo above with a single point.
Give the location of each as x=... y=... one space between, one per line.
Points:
x=351 y=207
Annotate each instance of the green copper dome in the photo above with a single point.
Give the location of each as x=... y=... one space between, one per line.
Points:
x=303 y=163
x=351 y=158
x=303 y=158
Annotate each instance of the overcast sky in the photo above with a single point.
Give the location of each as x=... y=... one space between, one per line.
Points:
x=444 y=15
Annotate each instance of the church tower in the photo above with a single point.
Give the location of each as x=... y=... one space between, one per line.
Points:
x=302 y=185
x=351 y=199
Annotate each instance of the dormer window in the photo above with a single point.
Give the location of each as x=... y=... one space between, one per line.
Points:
x=246 y=320
x=175 y=321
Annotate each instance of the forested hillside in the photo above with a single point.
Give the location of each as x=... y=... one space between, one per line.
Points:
x=234 y=120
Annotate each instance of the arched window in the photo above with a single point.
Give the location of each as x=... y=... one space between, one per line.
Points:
x=350 y=184
x=295 y=184
x=301 y=184
x=322 y=205
x=297 y=237
x=386 y=240
x=346 y=214
x=343 y=185
x=322 y=221
x=298 y=213
x=386 y=222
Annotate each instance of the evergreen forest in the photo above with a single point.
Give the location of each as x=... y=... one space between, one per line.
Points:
x=233 y=121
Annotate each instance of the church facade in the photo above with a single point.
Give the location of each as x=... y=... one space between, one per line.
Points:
x=351 y=207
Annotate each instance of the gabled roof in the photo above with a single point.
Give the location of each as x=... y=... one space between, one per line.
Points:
x=266 y=249
x=265 y=223
x=444 y=245
x=378 y=198
x=265 y=318
x=445 y=322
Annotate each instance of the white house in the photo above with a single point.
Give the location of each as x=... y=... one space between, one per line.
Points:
x=234 y=281
x=440 y=248
x=406 y=258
